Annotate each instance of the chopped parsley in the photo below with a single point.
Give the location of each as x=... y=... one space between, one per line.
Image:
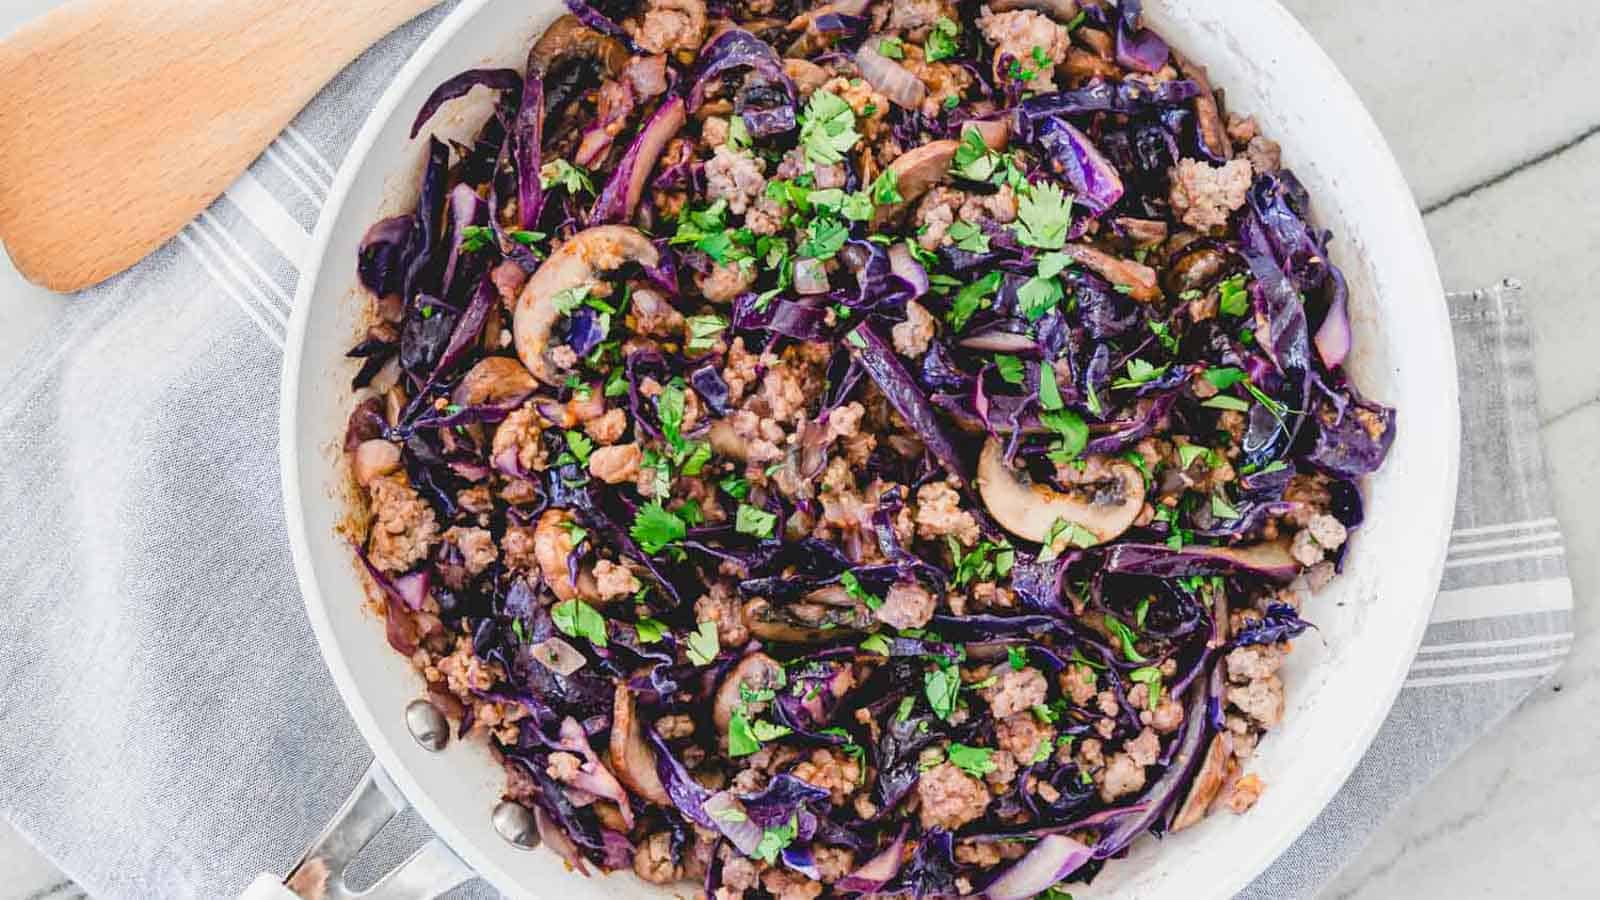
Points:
x=754 y=521
x=985 y=562
x=1049 y=390
x=580 y=445
x=973 y=159
x=703 y=646
x=1221 y=508
x=1139 y=372
x=1150 y=677
x=1044 y=216
x=476 y=237
x=1188 y=453
x=892 y=47
x=703 y=331
x=941 y=42
x=971 y=298
x=1164 y=336
x=1009 y=367
x=774 y=840
x=886 y=188
x=853 y=587
x=1125 y=636
x=746 y=737
x=1017 y=657
x=1064 y=534
x=1224 y=401
x=942 y=686
x=1232 y=298
x=576 y=618
x=650 y=630
x=737 y=487
x=824 y=238
x=655 y=527
x=738 y=133
x=969 y=237
x=876 y=643
x=827 y=128
x=975 y=761
x=1038 y=296
x=1225 y=377
x=560 y=172
x=1070 y=428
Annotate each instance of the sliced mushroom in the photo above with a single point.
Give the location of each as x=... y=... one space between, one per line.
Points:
x=1139 y=278
x=374 y=459
x=824 y=614
x=1213 y=771
x=495 y=379
x=918 y=170
x=552 y=549
x=631 y=758
x=756 y=671
x=727 y=442
x=576 y=265
x=1208 y=118
x=568 y=39
x=1031 y=511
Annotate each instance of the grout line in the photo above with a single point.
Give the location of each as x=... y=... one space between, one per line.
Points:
x=1493 y=180
x=1569 y=411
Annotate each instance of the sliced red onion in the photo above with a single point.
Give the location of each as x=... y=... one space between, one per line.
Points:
x=620 y=197
x=1333 y=339
x=556 y=838
x=890 y=78
x=810 y=276
x=903 y=264
x=999 y=340
x=593 y=776
x=872 y=875
x=1055 y=857
x=734 y=823
x=413 y=588
x=558 y=656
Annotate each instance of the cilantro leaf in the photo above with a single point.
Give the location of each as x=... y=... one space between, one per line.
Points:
x=941 y=686
x=973 y=159
x=1070 y=428
x=1044 y=216
x=824 y=237
x=1227 y=377
x=892 y=47
x=971 y=298
x=886 y=188
x=1038 y=296
x=560 y=172
x=1010 y=368
x=876 y=643
x=774 y=840
x=1139 y=372
x=853 y=587
x=1125 y=636
x=741 y=740
x=1232 y=298
x=1017 y=657
x=969 y=237
x=754 y=521
x=1064 y=534
x=975 y=761
x=576 y=618
x=655 y=527
x=827 y=128
x=703 y=645
x=580 y=445
x=476 y=237
x=703 y=331
x=941 y=42
x=650 y=630
x=1049 y=390
x=737 y=487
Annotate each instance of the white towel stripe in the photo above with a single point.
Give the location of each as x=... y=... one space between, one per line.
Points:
x=227 y=288
x=1494 y=600
x=1523 y=540
x=270 y=218
x=310 y=149
x=1481 y=677
x=293 y=154
x=1564 y=637
x=1423 y=665
x=1539 y=553
x=217 y=255
x=273 y=289
x=277 y=157
x=1526 y=525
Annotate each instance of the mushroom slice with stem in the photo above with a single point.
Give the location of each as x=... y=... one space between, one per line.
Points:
x=494 y=379
x=757 y=672
x=916 y=171
x=827 y=613
x=576 y=266
x=1103 y=509
x=631 y=758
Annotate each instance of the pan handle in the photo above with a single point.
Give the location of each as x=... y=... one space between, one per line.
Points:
x=426 y=874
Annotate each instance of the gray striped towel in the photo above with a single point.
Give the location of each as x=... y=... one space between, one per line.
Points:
x=171 y=730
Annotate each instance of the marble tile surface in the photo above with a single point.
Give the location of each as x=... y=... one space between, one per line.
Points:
x=1490 y=110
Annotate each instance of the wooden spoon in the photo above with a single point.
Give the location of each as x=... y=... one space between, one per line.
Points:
x=121 y=120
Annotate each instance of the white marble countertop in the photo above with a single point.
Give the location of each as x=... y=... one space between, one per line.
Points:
x=1495 y=121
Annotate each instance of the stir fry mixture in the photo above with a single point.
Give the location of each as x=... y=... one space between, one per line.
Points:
x=883 y=447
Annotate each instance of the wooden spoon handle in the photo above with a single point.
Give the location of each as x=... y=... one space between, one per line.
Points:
x=120 y=120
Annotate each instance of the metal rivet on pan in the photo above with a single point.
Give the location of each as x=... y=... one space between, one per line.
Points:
x=516 y=824
x=427 y=725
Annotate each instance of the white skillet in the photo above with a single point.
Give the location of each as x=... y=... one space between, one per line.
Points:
x=1342 y=678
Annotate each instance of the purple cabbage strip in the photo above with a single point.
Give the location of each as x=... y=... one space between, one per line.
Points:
x=901 y=390
x=1069 y=152
x=493 y=79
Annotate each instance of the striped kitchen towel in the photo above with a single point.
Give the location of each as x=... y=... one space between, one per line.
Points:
x=171 y=730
